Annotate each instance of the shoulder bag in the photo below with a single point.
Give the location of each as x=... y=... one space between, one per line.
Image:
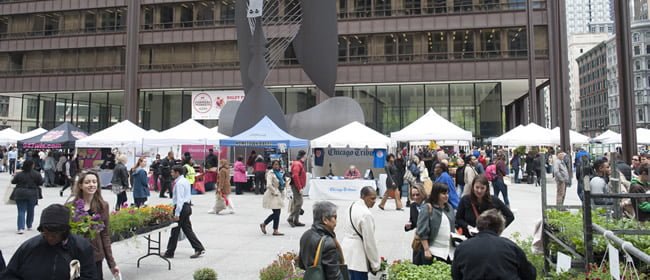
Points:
x=416 y=244
x=315 y=272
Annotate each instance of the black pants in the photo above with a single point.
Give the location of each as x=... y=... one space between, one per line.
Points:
x=166 y=185
x=121 y=199
x=260 y=182
x=239 y=187
x=418 y=258
x=68 y=183
x=275 y=217
x=139 y=201
x=12 y=166
x=184 y=224
x=156 y=185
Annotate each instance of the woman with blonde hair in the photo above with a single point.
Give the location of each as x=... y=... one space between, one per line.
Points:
x=120 y=181
x=87 y=189
x=223 y=189
x=140 y=182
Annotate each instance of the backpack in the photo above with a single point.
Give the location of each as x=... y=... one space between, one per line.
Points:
x=491 y=172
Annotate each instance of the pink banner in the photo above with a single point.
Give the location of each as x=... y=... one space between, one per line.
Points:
x=198 y=152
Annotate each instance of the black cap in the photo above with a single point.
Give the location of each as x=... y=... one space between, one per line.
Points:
x=55 y=215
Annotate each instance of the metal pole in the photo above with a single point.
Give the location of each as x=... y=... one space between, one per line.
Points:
x=130 y=101
x=625 y=89
x=564 y=100
x=532 y=92
x=626 y=246
x=586 y=224
x=545 y=241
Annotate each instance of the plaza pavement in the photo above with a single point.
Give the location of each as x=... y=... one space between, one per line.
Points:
x=237 y=249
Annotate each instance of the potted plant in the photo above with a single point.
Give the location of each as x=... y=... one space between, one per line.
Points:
x=83 y=224
x=205 y=274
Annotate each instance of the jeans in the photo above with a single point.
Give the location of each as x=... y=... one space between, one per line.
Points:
x=12 y=166
x=139 y=201
x=121 y=199
x=501 y=187
x=296 y=206
x=49 y=178
x=275 y=217
x=459 y=189
x=516 y=170
x=358 y=275
x=25 y=206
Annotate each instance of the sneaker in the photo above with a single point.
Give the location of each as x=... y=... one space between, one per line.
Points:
x=168 y=255
x=29 y=229
x=291 y=223
x=212 y=212
x=20 y=231
x=197 y=254
x=299 y=224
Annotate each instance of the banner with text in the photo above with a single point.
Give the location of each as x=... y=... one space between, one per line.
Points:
x=207 y=105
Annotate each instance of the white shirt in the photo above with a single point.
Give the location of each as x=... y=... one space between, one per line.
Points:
x=12 y=154
x=441 y=246
x=357 y=253
x=182 y=194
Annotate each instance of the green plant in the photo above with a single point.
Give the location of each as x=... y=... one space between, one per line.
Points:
x=521 y=150
x=283 y=268
x=405 y=270
x=205 y=274
x=537 y=260
x=83 y=224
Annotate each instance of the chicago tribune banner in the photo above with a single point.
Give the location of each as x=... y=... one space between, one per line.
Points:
x=207 y=105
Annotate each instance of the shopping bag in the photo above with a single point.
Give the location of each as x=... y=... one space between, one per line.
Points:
x=118 y=276
x=8 y=191
x=220 y=204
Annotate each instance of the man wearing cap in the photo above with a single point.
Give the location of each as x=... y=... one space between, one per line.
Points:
x=51 y=254
x=298 y=181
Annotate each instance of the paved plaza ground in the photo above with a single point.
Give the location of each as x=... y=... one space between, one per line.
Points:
x=237 y=249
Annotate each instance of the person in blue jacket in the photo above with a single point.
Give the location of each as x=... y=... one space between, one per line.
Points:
x=140 y=182
x=441 y=173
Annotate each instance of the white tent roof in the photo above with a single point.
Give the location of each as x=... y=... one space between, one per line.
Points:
x=608 y=137
x=122 y=134
x=352 y=135
x=431 y=126
x=9 y=136
x=529 y=135
x=189 y=132
x=33 y=133
x=574 y=137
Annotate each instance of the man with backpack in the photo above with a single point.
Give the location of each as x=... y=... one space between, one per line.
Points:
x=582 y=168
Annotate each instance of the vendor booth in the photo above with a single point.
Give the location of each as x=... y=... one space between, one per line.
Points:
x=266 y=134
x=33 y=133
x=353 y=144
x=529 y=135
x=61 y=137
x=432 y=126
x=8 y=136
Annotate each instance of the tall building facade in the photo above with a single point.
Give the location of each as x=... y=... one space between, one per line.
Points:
x=593 y=90
x=641 y=81
x=65 y=61
x=579 y=44
x=589 y=16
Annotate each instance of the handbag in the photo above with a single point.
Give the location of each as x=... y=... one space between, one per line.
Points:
x=117 y=189
x=8 y=194
x=315 y=272
x=416 y=244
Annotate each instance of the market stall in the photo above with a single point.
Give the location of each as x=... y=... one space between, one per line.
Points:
x=61 y=137
x=529 y=135
x=33 y=133
x=432 y=126
x=123 y=135
x=575 y=138
x=353 y=144
x=266 y=134
x=8 y=136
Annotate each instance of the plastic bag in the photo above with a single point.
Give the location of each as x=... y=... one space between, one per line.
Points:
x=118 y=276
x=181 y=236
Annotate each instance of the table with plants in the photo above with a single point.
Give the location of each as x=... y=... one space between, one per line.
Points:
x=127 y=223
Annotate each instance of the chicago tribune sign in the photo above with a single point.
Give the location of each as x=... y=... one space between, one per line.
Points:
x=207 y=105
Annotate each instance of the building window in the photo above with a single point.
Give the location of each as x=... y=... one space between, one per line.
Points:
x=437 y=6
x=490 y=42
x=187 y=15
x=637 y=50
x=363 y=8
x=358 y=49
x=343 y=49
x=4 y=106
x=637 y=65
x=462 y=5
x=382 y=8
x=405 y=47
x=205 y=13
x=640 y=114
x=463 y=44
x=637 y=83
x=227 y=13
x=636 y=37
x=32 y=108
x=167 y=16
x=437 y=45
x=148 y=17
x=413 y=7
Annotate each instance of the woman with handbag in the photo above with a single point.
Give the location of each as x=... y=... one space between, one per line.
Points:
x=274 y=196
x=88 y=190
x=26 y=194
x=222 y=198
x=435 y=224
x=478 y=201
x=393 y=183
x=417 y=200
x=120 y=181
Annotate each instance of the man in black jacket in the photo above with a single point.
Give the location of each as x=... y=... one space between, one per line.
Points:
x=489 y=256
x=49 y=255
x=323 y=227
x=166 y=174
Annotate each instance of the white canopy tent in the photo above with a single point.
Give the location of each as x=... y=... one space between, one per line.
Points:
x=189 y=132
x=352 y=135
x=432 y=126
x=124 y=134
x=608 y=137
x=9 y=136
x=574 y=137
x=529 y=135
x=33 y=133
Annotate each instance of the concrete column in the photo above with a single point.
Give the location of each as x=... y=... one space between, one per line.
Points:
x=532 y=96
x=130 y=103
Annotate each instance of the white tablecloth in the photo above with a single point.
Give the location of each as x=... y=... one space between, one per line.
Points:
x=324 y=189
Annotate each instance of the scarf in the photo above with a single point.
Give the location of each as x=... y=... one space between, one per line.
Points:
x=280 y=177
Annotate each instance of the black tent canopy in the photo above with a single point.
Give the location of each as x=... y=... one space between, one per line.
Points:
x=63 y=136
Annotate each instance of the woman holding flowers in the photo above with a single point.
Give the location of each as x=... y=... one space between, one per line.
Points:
x=140 y=182
x=88 y=199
